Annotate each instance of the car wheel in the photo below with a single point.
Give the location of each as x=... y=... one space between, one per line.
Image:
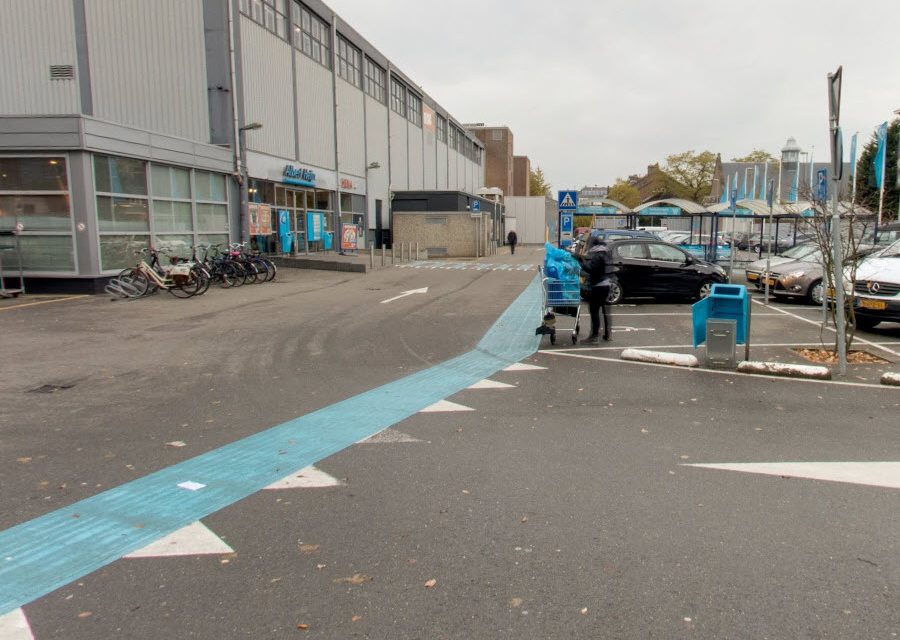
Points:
x=865 y=323
x=615 y=294
x=705 y=289
x=816 y=293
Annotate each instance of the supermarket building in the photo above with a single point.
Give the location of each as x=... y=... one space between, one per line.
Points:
x=128 y=123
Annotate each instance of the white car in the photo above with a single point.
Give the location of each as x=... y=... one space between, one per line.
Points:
x=877 y=288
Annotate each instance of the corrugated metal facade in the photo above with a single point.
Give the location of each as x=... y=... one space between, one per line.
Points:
x=314 y=100
x=33 y=36
x=351 y=124
x=268 y=90
x=416 y=179
x=377 y=149
x=442 y=166
x=148 y=64
x=430 y=159
x=399 y=153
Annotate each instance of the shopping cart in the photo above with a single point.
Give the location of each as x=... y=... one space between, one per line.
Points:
x=561 y=297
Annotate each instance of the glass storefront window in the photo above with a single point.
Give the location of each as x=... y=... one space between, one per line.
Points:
x=209 y=186
x=172 y=216
x=35 y=212
x=42 y=253
x=172 y=245
x=118 y=251
x=215 y=238
x=323 y=200
x=171 y=182
x=122 y=214
x=212 y=217
x=33 y=174
x=120 y=175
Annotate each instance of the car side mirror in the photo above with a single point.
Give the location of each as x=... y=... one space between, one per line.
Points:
x=689 y=260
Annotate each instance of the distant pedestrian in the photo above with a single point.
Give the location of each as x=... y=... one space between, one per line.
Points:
x=511 y=240
x=595 y=263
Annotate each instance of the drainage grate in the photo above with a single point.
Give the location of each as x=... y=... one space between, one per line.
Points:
x=51 y=388
x=62 y=72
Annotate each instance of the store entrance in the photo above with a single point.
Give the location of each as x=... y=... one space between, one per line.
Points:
x=295 y=202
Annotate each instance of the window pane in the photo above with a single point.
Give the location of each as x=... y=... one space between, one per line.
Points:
x=323 y=200
x=175 y=245
x=209 y=186
x=39 y=253
x=171 y=182
x=122 y=214
x=33 y=174
x=216 y=238
x=212 y=217
x=36 y=213
x=120 y=175
x=630 y=250
x=172 y=216
x=118 y=252
x=665 y=252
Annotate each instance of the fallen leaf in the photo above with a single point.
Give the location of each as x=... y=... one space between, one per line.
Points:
x=319 y=567
x=584 y=611
x=302 y=626
x=85 y=614
x=224 y=561
x=645 y=430
x=176 y=443
x=685 y=457
x=24 y=460
x=525 y=519
x=515 y=603
x=274 y=580
x=430 y=583
x=309 y=548
x=355 y=618
x=465 y=491
x=356 y=578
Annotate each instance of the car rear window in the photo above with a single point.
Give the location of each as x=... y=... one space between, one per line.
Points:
x=630 y=250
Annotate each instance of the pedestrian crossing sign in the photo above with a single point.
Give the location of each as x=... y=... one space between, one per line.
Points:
x=568 y=200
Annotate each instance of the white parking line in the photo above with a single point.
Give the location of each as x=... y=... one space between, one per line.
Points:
x=690 y=346
x=716 y=372
x=819 y=324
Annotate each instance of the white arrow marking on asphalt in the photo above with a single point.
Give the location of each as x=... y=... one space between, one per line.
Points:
x=307 y=478
x=406 y=293
x=14 y=626
x=521 y=366
x=491 y=384
x=193 y=540
x=875 y=474
x=389 y=436
x=445 y=406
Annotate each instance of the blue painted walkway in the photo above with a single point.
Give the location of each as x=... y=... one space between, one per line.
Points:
x=46 y=553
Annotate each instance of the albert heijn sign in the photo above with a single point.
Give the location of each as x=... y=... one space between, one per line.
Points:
x=298 y=175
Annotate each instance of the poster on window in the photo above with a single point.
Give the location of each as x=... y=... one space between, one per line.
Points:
x=428 y=118
x=349 y=237
x=260 y=219
x=315 y=221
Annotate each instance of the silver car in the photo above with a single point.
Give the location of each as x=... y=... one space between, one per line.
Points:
x=801 y=278
x=808 y=251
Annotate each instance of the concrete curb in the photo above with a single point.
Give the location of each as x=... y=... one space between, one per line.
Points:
x=322 y=265
x=786 y=370
x=660 y=357
x=891 y=379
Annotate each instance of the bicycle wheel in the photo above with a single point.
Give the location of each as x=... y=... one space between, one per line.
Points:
x=271 y=269
x=134 y=282
x=250 y=272
x=195 y=283
x=205 y=277
x=262 y=270
x=240 y=274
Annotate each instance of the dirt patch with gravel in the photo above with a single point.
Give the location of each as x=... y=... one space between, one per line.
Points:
x=829 y=356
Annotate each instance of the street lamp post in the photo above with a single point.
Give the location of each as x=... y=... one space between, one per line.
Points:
x=245 y=194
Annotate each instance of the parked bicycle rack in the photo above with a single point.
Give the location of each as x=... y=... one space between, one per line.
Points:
x=11 y=292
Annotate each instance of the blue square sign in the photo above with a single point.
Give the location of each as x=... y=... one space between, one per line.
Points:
x=568 y=200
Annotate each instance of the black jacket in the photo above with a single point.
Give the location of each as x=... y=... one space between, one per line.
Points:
x=595 y=263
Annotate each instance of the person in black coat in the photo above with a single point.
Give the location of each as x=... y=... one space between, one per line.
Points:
x=594 y=262
x=511 y=240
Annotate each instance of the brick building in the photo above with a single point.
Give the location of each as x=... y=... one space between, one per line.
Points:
x=498 y=154
x=521 y=176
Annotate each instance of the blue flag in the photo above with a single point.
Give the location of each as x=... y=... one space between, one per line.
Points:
x=878 y=160
x=852 y=157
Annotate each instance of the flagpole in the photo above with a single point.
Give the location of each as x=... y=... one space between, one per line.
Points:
x=853 y=172
x=883 y=180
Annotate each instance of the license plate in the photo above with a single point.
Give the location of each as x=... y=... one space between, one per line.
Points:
x=880 y=305
x=829 y=292
x=771 y=282
x=752 y=277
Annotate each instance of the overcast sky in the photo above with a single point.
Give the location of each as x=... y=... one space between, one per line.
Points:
x=596 y=90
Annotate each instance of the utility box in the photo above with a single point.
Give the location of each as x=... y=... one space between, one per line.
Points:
x=722 y=320
x=720 y=343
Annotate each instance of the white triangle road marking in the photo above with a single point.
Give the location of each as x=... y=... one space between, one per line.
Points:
x=522 y=366
x=875 y=474
x=307 y=478
x=491 y=384
x=14 y=626
x=443 y=406
x=388 y=436
x=193 y=540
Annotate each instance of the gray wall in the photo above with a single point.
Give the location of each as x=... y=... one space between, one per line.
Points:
x=34 y=35
x=148 y=64
x=399 y=153
x=416 y=173
x=314 y=97
x=377 y=151
x=351 y=124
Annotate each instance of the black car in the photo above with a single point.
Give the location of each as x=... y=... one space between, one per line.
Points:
x=653 y=268
x=609 y=235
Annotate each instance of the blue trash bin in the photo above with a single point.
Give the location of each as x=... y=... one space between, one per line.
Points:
x=725 y=302
x=327 y=240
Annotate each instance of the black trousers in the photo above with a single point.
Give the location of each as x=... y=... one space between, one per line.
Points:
x=512 y=248
x=596 y=302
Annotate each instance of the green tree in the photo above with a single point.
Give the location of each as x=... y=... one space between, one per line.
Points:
x=866 y=191
x=539 y=184
x=757 y=155
x=693 y=171
x=625 y=192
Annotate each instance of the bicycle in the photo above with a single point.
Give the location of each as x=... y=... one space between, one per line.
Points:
x=181 y=279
